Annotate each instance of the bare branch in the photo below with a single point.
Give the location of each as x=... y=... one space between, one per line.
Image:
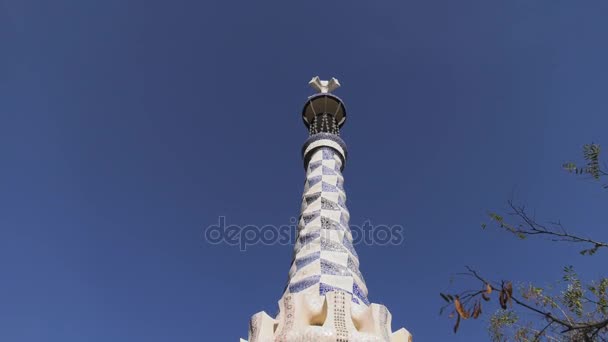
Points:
x=530 y=227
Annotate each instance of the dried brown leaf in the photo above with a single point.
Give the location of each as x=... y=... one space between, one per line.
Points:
x=509 y=292
x=477 y=309
x=460 y=309
x=502 y=299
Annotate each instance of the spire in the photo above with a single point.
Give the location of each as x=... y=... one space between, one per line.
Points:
x=325 y=298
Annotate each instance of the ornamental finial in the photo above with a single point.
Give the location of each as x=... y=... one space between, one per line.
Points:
x=324 y=86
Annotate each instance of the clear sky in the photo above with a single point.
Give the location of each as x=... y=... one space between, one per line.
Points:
x=127 y=127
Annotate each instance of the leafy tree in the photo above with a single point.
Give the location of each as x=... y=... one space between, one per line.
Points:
x=573 y=311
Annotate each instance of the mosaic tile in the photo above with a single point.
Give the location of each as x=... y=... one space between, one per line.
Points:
x=314 y=165
x=325 y=288
x=344 y=220
x=342 y=201
x=359 y=293
x=329 y=205
x=354 y=268
x=305 y=239
x=312 y=197
x=314 y=180
x=328 y=245
x=328 y=171
x=304 y=283
x=311 y=216
x=328 y=267
x=328 y=187
x=330 y=180
x=316 y=156
x=349 y=246
x=307 y=259
x=327 y=223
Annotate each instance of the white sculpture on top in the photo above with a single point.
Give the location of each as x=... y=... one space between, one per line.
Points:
x=324 y=86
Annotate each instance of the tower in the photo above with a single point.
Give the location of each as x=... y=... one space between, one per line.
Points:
x=325 y=298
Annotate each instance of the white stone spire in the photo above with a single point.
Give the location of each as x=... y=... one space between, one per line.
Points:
x=325 y=299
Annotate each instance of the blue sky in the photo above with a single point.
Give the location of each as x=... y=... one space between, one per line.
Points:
x=127 y=127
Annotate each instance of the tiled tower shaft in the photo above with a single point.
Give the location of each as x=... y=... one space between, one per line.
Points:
x=325 y=259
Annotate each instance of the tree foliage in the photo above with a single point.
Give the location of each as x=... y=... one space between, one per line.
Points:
x=592 y=168
x=570 y=310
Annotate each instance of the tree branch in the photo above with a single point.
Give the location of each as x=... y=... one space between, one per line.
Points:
x=530 y=227
x=588 y=329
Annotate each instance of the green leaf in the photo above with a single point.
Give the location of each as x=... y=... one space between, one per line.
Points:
x=570 y=167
